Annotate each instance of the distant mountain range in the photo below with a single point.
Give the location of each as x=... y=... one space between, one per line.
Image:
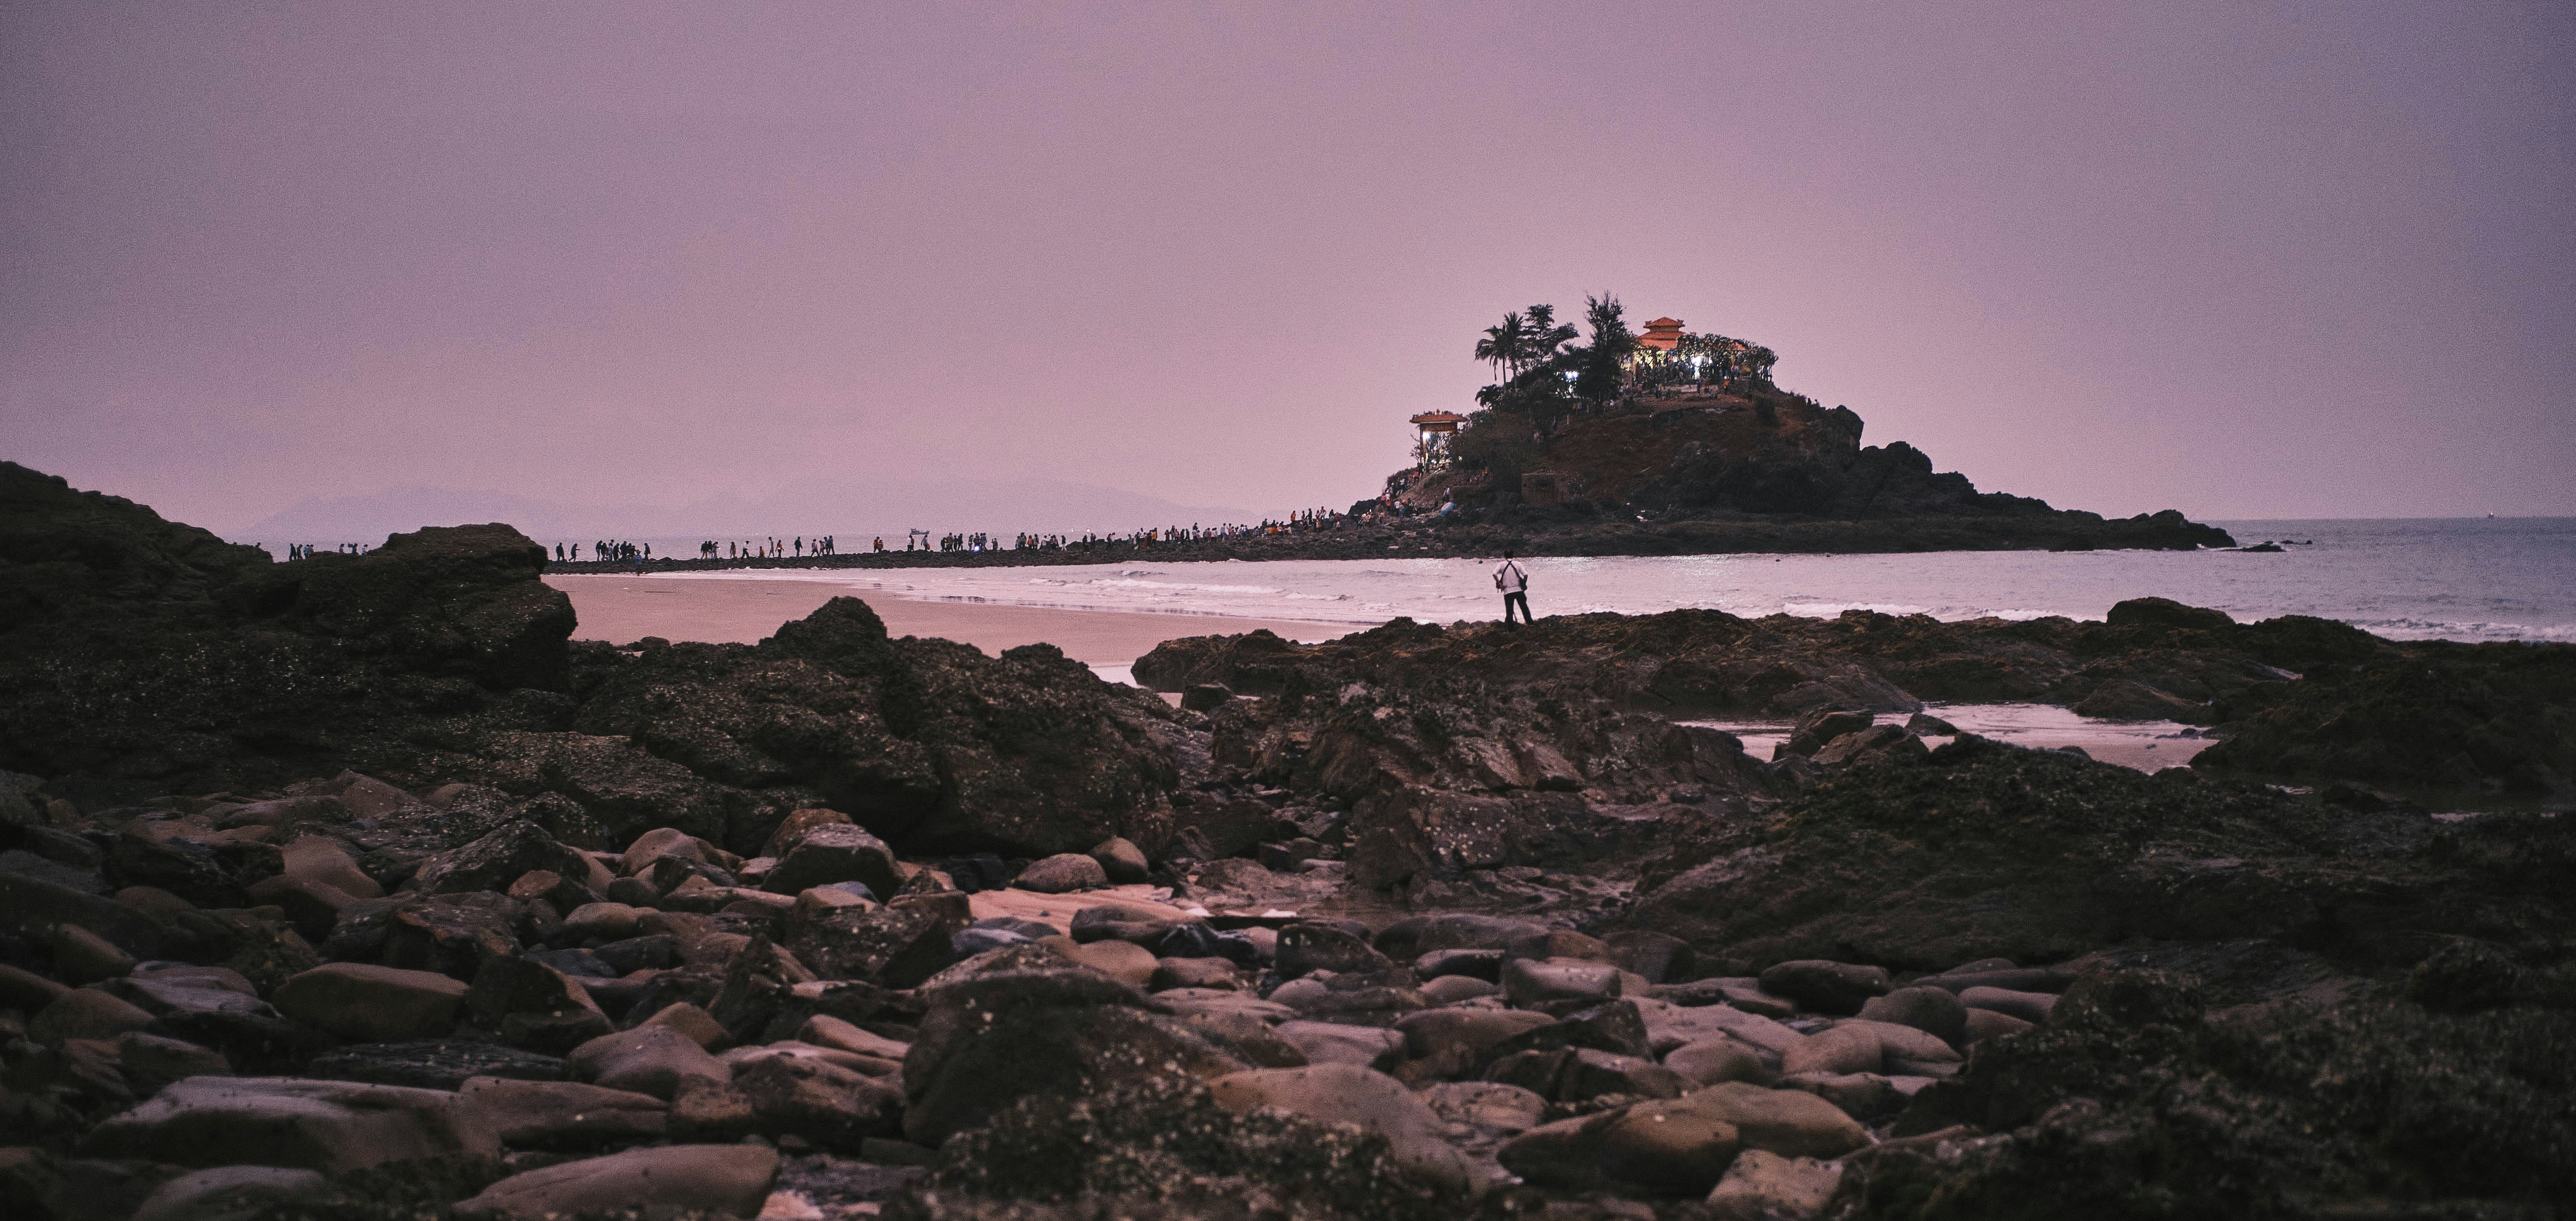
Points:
x=853 y=510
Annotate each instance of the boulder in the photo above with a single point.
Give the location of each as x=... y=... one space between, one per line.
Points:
x=897 y=946
x=1818 y=726
x=701 y=1026
x=791 y=829
x=365 y=1003
x=1063 y=872
x=1376 y=1103
x=655 y=1060
x=151 y=1062
x=1124 y=961
x=1659 y=957
x=1867 y=1097
x=1588 y=1073
x=1764 y=1186
x=560 y=1114
x=826 y=853
x=1452 y=989
x=1933 y=1010
x=1531 y=981
x=1246 y=1037
x=1617 y=1027
x=827 y=1105
x=497 y=859
x=758 y=984
x=330 y=1126
x=1825 y=986
x=1843 y=1049
x=1651 y=1148
x=992 y=1040
x=1878 y=744
x=1785 y=1122
x=1122 y=862
x=1172 y=973
x=601 y=922
x=1984 y=1024
x=1312 y=946
x=1458 y=1040
x=1331 y=1043
x=85 y=1013
x=1412 y=937
x=228 y=1193
x=2033 y=1007
x=1711 y=1061
x=730 y=1180
x=534 y=1006
x=82 y=957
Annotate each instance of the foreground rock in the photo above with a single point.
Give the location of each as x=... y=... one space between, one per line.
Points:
x=1993 y=851
x=728 y=1180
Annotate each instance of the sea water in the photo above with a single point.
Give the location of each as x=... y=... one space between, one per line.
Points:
x=2471 y=580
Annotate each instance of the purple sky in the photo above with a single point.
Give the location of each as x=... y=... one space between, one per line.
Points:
x=2240 y=260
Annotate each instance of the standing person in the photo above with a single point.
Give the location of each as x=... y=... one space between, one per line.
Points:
x=1513 y=580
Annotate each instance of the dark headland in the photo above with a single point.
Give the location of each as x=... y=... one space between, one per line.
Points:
x=354 y=888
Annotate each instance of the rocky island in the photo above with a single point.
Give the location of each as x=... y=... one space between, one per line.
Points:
x=355 y=888
x=1656 y=455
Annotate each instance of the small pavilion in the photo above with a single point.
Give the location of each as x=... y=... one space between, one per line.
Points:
x=1662 y=335
x=1435 y=429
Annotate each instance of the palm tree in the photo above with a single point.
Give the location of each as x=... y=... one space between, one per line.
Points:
x=1504 y=347
x=1546 y=335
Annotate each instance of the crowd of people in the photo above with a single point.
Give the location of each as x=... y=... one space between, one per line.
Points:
x=607 y=549
x=800 y=546
x=304 y=551
x=773 y=548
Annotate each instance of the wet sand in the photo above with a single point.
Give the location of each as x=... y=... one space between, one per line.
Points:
x=621 y=610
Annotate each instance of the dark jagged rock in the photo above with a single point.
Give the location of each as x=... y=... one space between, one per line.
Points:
x=151 y=654
x=2429 y=715
x=142 y=657
x=1710 y=662
x=2128 y=1104
x=1161 y=1149
x=1989 y=850
x=928 y=743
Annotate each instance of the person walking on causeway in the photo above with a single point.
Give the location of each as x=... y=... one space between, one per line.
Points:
x=1513 y=580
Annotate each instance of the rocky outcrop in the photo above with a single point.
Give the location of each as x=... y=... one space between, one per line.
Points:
x=2434 y=715
x=1711 y=662
x=1993 y=851
x=926 y=743
x=143 y=657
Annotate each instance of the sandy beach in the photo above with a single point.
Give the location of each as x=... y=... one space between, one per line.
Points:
x=624 y=609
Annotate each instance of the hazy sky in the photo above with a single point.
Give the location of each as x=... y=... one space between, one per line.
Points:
x=2242 y=260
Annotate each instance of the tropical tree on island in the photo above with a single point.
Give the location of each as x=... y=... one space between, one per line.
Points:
x=1505 y=347
x=1546 y=336
x=1602 y=364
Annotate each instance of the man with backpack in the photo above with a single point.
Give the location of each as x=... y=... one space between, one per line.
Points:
x=1513 y=580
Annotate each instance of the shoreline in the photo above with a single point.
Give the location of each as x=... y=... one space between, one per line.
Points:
x=718 y=611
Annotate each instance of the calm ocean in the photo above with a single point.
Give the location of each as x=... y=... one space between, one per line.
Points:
x=2457 y=579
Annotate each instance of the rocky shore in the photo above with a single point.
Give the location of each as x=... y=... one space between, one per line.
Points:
x=351 y=889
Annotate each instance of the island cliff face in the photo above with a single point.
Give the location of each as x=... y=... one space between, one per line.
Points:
x=1767 y=471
